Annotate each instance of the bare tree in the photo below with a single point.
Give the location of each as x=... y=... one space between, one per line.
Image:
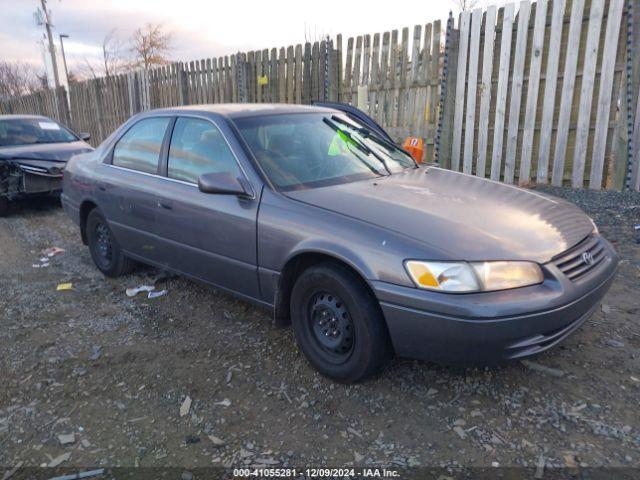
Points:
x=466 y=5
x=312 y=35
x=18 y=78
x=150 y=46
x=113 y=55
x=74 y=77
x=88 y=69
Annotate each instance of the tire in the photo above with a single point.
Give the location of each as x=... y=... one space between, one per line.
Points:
x=105 y=251
x=338 y=324
x=5 y=206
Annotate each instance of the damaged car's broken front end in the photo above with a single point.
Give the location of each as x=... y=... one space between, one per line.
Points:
x=33 y=153
x=17 y=178
x=10 y=175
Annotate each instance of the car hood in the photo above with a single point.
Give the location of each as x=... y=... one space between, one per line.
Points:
x=468 y=217
x=51 y=152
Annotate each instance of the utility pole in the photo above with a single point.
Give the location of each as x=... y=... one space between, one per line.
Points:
x=52 y=48
x=64 y=57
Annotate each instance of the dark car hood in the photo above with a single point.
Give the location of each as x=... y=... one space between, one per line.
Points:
x=468 y=217
x=52 y=152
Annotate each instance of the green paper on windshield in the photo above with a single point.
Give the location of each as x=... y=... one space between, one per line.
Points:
x=338 y=144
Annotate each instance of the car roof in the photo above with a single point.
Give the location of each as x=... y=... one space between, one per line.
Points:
x=242 y=110
x=23 y=117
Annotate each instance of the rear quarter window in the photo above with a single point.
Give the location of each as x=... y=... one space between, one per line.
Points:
x=139 y=148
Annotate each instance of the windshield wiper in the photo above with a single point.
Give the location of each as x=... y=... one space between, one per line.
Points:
x=358 y=146
x=365 y=132
x=361 y=146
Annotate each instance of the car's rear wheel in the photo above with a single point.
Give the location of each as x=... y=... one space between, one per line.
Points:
x=5 y=206
x=105 y=251
x=338 y=324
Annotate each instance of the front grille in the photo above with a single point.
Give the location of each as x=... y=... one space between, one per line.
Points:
x=573 y=263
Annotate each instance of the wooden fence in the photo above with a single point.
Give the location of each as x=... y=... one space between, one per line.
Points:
x=537 y=91
x=396 y=79
x=530 y=92
x=50 y=103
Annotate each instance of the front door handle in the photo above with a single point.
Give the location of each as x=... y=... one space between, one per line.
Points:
x=166 y=205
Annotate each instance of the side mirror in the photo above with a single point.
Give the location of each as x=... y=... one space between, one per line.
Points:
x=84 y=136
x=222 y=184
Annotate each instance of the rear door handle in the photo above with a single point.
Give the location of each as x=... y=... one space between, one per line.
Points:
x=166 y=205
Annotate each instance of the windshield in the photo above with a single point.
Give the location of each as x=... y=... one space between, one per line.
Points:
x=309 y=150
x=29 y=131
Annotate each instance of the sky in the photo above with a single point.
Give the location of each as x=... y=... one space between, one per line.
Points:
x=202 y=28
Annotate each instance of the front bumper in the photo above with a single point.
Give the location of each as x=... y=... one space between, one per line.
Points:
x=17 y=181
x=492 y=326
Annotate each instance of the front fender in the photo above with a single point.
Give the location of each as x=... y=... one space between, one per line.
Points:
x=340 y=252
x=287 y=228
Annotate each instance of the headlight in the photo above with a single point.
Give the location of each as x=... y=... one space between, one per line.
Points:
x=503 y=275
x=474 y=276
x=445 y=276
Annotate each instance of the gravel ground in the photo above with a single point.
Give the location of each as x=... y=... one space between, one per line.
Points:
x=112 y=373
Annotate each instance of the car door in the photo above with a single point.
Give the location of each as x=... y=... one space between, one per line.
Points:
x=128 y=184
x=209 y=236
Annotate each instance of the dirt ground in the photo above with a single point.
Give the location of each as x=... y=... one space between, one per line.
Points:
x=114 y=371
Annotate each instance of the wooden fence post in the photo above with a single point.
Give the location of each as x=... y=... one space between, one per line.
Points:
x=552 y=66
x=63 y=106
x=334 y=73
x=633 y=69
x=636 y=145
x=620 y=156
x=532 y=91
x=444 y=137
x=506 y=36
x=604 y=95
x=474 y=54
x=306 y=75
x=97 y=100
x=183 y=85
x=465 y=23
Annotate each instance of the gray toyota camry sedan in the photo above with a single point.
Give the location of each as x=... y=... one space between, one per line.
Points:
x=314 y=213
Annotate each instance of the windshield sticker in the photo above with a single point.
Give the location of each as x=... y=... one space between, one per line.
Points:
x=49 y=126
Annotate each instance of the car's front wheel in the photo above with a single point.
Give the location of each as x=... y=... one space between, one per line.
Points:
x=105 y=251
x=338 y=324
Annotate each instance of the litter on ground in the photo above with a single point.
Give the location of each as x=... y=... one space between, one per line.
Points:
x=52 y=251
x=186 y=406
x=150 y=289
x=156 y=294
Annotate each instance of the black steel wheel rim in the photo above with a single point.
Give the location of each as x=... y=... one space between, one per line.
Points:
x=103 y=247
x=331 y=326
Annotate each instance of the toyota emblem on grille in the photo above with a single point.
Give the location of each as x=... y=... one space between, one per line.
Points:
x=587 y=258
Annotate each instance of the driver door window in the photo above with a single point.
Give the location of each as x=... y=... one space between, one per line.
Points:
x=198 y=147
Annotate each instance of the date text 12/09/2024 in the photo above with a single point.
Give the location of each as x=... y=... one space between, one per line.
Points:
x=315 y=473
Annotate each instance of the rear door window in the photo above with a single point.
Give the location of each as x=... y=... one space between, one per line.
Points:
x=198 y=147
x=139 y=148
